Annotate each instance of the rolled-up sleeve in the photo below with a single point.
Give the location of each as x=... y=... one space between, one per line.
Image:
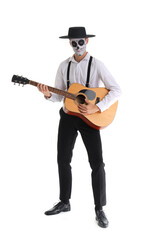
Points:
x=110 y=83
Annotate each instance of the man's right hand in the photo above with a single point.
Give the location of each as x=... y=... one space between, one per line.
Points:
x=44 y=89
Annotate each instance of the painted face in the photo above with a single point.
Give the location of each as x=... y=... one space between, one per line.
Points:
x=79 y=46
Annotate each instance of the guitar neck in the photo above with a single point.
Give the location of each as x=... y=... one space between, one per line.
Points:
x=55 y=90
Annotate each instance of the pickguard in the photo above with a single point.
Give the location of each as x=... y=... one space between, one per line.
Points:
x=89 y=93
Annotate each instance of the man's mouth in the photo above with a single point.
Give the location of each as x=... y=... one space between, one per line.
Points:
x=79 y=50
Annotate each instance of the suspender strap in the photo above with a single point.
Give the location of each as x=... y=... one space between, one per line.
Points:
x=89 y=70
x=69 y=64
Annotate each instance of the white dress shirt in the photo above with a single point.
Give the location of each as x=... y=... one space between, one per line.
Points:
x=78 y=74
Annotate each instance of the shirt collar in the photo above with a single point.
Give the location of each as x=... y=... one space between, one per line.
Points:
x=86 y=58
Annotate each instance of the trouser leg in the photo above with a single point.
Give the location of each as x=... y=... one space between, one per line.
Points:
x=92 y=141
x=66 y=139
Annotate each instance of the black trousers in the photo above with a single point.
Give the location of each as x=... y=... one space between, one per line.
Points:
x=68 y=131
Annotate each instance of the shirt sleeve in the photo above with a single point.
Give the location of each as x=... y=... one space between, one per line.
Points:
x=59 y=83
x=110 y=83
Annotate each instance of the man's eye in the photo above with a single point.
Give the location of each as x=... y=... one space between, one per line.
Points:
x=74 y=44
x=81 y=42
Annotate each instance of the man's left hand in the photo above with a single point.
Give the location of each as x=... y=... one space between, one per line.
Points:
x=88 y=108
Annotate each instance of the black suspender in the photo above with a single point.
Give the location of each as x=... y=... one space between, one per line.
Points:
x=69 y=64
x=88 y=72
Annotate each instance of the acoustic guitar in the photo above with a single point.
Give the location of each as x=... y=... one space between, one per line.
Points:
x=77 y=94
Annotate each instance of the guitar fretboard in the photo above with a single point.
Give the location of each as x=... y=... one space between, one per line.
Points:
x=55 y=90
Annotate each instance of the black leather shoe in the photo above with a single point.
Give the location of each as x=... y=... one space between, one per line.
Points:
x=101 y=219
x=59 y=207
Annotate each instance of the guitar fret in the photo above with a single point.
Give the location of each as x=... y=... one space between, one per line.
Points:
x=55 y=90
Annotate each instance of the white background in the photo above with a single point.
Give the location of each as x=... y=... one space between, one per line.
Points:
x=127 y=41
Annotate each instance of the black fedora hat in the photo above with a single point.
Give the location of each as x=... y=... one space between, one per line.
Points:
x=77 y=32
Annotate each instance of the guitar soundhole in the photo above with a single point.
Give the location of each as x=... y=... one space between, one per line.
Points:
x=80 y=99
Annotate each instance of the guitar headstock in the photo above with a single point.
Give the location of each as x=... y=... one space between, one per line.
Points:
x=20 y=80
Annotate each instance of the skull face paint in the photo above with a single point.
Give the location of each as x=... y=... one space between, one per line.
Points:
x=78 y=45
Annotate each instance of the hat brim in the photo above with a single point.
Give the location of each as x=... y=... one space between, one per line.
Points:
x=87 y=36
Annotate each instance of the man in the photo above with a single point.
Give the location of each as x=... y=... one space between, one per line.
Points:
x=81 y=68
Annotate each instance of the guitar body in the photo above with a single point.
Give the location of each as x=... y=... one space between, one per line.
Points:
x=98 y=120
